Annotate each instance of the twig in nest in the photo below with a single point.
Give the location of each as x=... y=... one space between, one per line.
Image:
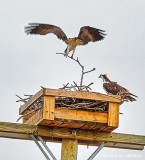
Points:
x=64 y=86
x=21 y=99
x=28 y=95
x=30 y=112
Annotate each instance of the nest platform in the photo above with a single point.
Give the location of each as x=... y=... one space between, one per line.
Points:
x=72 y=109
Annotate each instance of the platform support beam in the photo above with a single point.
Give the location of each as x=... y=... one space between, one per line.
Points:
x=69 y=149
x=40 y=147
x=96 y=151
x=35 y=139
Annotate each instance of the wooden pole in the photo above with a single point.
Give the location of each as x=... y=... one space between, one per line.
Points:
x=69 y=149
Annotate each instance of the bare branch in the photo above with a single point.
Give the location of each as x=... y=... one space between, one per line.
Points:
x=81 y=87
x=90 y=70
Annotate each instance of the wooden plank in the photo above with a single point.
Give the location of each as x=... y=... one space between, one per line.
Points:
x=109 y=129
x=62 y=113
x=44 y=122
x=59 y=140
x=69 y=149
x=82 y=95
x=67 y=133
x=48 y=107
x=31 y=101
x=35 y=118
x=113 y=145
x=113 y=114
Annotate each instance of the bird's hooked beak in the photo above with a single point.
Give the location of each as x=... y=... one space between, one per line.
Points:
x=101 y=76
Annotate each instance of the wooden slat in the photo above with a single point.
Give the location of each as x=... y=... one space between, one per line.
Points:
x=62 y=113
x=74 y=94
x=15 y=128
x=31 y=101
x=69 y=149
x=44 y=122
x=48 y=107
x=35 y=118
x=82 y=95
x=55 y=123
x=113 y=114
x=109 y=129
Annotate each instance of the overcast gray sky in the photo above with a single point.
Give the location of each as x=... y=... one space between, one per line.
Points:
x=28 y=62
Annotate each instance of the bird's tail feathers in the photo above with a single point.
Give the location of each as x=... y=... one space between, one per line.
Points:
x=129 y=98
x=133 y=95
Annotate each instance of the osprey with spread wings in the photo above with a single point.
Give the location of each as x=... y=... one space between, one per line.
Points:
x=87 y=34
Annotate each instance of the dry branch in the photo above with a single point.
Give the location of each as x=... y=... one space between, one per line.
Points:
x=83 y=72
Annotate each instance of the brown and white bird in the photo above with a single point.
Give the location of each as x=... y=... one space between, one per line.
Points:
x=114 y=88
x=87 y=34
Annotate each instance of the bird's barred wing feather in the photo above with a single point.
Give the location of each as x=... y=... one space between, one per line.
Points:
x=115 y=89
x=122 y=89
x=43 y=29
x=89 y=34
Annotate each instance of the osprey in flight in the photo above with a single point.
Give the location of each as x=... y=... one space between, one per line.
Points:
x=87 y=34
x=115 y=89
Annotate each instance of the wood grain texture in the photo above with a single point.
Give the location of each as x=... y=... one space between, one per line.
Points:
x=64 y=93
x=35 y=117
x=48 y=107
x=81 y=115
x=12 y=135
x=31 y=101
x=85 y=135
x=113 y=114
x=82 y=95
x=69 y=149
x=114 y=140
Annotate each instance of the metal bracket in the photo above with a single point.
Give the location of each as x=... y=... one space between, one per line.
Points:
x=44 y=145
x=96 y=151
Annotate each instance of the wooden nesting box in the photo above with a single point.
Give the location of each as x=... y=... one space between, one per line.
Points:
x=72 y=109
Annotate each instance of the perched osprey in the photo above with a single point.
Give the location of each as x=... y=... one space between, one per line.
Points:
x=116 y=89
x=87 y=34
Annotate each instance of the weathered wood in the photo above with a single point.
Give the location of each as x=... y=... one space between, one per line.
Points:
x=34 y=118
x=74 y=124
x=67 y=133
x=31 y=101
x=48 y=107
x=59 y=140
x=64 y=93
x=81 y=115
x=82 y=95
x=113 y=145
x=113 y=114
x=108 y=129
x=69 y=149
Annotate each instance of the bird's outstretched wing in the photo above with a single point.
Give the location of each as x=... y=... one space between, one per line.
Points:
x=43 y=29
x=89 y=34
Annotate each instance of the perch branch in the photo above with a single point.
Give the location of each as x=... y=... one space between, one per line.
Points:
x=81 y=87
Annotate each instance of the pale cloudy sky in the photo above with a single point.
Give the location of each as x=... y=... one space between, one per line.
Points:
x=28 y=62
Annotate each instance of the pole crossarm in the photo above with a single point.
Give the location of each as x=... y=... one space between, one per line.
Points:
x=87 y=137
